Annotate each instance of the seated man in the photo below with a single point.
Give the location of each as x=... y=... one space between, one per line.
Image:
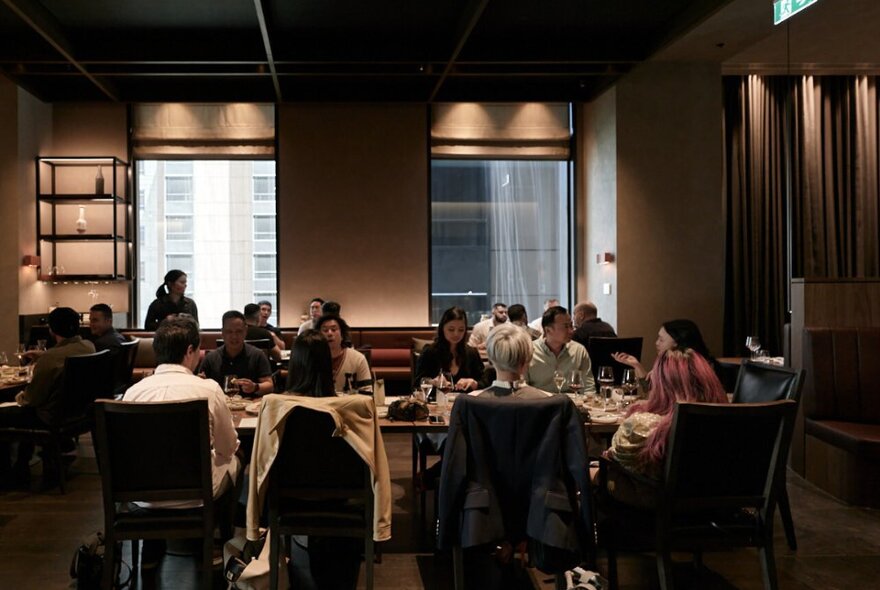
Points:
x=104 y=335
x=176 y=345
x=481 y=329
x=509 y=349
x=555 y=352
x=315 y=312
x=536 y=323
x=587 y=324
x=236 y=357
x=265 y=314
x=39 y=404
x=255 y=332
x=516 y=314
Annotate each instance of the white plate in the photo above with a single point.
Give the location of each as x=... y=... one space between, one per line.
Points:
x=253 y=408
x=603 y=418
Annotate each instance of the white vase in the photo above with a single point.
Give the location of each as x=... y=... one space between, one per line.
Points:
x=81 y=224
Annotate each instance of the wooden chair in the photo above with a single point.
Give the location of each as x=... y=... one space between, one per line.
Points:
x=719 y=488
x=86 y=377
x=601 y=348
x=318 y=486
x=175 y=465
x=760 y=382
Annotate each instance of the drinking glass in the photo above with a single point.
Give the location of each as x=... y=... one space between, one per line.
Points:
x=41 y=344
x=629 y=384
x=22 y=361
x=445 y=386
x=576 y=384
x=753 y=343
x=606 y=381
x=4 y=360
x=426 y=385
x=558 y=381
x=230 y=385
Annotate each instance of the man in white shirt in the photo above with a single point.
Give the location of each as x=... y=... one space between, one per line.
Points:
x=176 y=345
x=536 y=323
x=481 y=329
x=314 y=313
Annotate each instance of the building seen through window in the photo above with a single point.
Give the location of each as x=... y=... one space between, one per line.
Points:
x=499 y=232
x=215 y=220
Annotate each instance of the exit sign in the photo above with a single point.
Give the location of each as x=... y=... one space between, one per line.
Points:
x=783 y=9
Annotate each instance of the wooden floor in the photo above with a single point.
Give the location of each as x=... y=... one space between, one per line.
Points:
x=839 y=546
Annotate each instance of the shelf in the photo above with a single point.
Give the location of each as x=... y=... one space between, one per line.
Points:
x=81 y=278
x=82 y=161
x=81 y=238
x=82 y=199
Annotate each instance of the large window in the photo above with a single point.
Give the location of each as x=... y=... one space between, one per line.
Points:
x=499 y=233
x=215 y=220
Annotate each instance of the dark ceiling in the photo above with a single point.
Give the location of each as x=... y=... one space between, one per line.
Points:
x=333 y=50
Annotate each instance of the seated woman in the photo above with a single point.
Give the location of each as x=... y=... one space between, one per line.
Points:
x=673 y=335
x=351 y=371
x=310 y=370
x=639 y=445
x=509 y=349
x=450 y=353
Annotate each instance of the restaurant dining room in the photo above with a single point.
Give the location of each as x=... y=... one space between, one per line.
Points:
x=429 y=295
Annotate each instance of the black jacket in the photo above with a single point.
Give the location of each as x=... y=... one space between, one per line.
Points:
x=512 y=469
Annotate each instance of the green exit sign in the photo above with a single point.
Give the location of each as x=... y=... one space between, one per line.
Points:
x=783 y=9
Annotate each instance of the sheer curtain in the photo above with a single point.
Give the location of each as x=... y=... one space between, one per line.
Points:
x=834 y=171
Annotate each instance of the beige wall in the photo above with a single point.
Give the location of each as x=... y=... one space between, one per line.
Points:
x=670 y=237
x=598 y=170
x=353 y=217
x=10 y=258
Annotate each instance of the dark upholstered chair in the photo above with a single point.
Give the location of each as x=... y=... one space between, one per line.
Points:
x=86 y=377
x=318 y=486
x=123 y=363
x=601 y=349
x=175 y=465
x=757 y=383
x=516 y=471
x=719 y=487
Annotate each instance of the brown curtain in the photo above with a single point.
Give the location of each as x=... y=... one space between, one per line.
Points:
x=835 y=214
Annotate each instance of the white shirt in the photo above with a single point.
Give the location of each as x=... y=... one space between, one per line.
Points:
x=480 y=333
x=173 y=382
x=306 y=325
x=536 y=325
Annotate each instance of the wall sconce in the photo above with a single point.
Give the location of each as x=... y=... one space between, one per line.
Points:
x=31 y=260
x=604 y=258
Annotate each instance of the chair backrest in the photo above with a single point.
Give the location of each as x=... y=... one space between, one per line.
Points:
x=87 y=377
x=262 y=343
x=124 y=362
x=311 y=462
x=726 y=456
x=760 y=382
x=601 y=348
x=153 y=451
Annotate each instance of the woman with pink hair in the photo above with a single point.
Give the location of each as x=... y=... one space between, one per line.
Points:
x=680 y=375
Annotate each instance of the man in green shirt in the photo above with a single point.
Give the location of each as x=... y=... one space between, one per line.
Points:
x=555 y=351
x=40 y=403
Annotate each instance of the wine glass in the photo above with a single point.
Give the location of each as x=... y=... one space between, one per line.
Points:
x=426 y=385
x=558 y=381
x=231 y=386
x=629 y=384
x=20 y=354
x=445 y=386
x=576 y=384
x=606 y=381
x=754 y=345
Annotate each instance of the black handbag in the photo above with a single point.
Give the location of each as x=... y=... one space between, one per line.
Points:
x=408 y=410
x=87 y=565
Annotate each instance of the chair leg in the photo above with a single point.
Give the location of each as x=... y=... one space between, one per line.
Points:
x=458 y=567
x=274 y=554
x=664 y=569
x=369 y=562
x=611 y=554
x=785 y=515
x=208 y=560
x=108 y=574
x=135 y=557
x=768 y=564
x=560 y=582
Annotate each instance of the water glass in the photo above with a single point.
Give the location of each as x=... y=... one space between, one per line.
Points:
x=558 y=381
x=606 y=381
x=230 y=385
x=753 y=343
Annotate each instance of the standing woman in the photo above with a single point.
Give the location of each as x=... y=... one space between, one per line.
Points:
x=450 y=353
x=170 y=301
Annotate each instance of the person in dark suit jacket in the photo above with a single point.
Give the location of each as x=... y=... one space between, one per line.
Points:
x=587 y=324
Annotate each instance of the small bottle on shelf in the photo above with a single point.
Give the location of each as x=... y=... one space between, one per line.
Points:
x=99 y=181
